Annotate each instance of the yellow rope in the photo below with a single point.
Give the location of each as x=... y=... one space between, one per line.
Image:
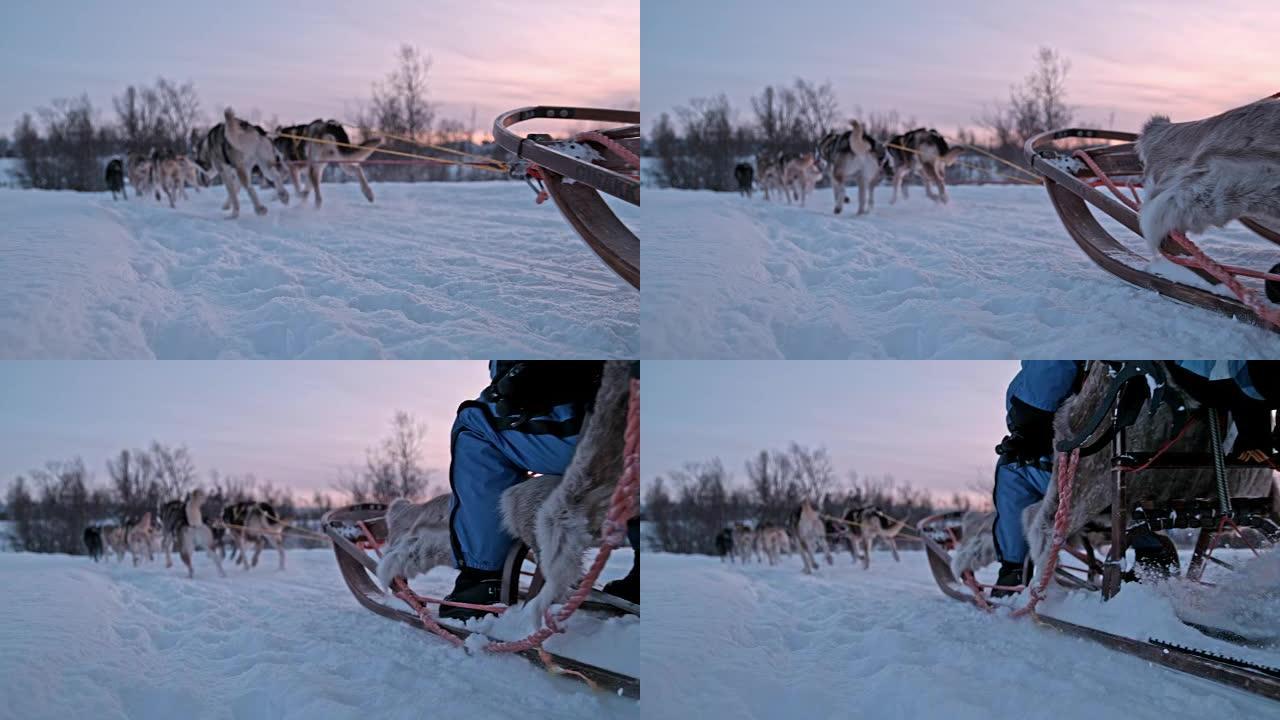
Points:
x=441 y=148
x=427 y=158
x=971 y=148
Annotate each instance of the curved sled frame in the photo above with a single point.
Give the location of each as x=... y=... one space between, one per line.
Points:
x=575 y=185
x=1067 y=182
x=359 y=572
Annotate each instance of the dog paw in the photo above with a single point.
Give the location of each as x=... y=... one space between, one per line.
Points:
x=260 y=210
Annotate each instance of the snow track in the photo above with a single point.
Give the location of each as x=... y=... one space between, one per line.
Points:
x=111 y=641
x=431 y=270
x=991 y=275
x=768 y=642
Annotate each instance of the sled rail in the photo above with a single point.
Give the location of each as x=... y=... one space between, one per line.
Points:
x=575 y=184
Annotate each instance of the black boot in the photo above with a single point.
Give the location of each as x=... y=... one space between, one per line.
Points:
x=480 y=587
x=1155 y=557
x=628 y=588
x=1010 y=576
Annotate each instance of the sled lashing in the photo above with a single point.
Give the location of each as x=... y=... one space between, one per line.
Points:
x=358 y=529
x=1074 y=186
x=575 y=171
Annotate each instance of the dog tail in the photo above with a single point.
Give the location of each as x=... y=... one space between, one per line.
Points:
x=952 y=156
x=364 y=151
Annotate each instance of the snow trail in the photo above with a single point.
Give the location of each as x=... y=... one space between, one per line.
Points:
x=756 y=641
x=431 y=270
x=111 y=641
x=991 y=275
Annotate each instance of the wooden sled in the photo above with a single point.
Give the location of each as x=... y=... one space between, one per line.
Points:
x=346 y=527
x=1073 y=187
x=575 y=183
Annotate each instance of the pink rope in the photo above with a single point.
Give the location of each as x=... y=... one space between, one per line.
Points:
x=631 y=159
x=1066 y=479
x=1225 y=274
x=623 y=506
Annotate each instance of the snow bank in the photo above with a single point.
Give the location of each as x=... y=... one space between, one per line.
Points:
x=755 y=641
x=992 y=275
x=111 y=641
x=431 y=270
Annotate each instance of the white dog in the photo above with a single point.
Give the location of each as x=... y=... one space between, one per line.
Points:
x=851 y=155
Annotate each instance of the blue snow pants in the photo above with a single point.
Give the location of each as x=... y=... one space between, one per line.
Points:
x=485 y=462
x=1017 y=487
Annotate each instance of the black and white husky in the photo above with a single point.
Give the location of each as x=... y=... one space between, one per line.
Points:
x=257 y=522
x=925 y=152
x=1209 y=172
x=318 y=155
x=233 y=149
x=851 y=155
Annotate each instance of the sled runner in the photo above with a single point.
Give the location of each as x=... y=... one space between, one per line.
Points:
x=358 y=528
x=574 y=173
x=1074 y=178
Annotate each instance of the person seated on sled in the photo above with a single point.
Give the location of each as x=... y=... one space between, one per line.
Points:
x=1026 y=456
x=527 y=420
x=1249 y=390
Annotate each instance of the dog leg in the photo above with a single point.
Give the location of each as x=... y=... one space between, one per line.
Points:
x=893 y=548
x=233 y=192
x=243 y=174
x=185 y=551
x=826 y=550
x=837 y=189
x=358 y=173
x=862 y=197
x=313 y=174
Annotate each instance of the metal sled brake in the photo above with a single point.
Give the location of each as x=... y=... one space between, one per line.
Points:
x=1073 y=186
x=347 y=527
x=575 y=182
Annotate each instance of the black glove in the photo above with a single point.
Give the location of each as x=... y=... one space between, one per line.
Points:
x=1030 y=435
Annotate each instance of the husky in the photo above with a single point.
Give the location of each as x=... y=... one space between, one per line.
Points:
x=93 y=542
x=139 y=167
x=811 y=535
x=799 y=176
x=744 y=175
x=232 y=149
x=873 y=524
x=744 y=543
x=134 y=536
x=254 y=521
x=769 y=172
x=318 y=155
x=559 y=517
x=190 y=531
x=115 y=179
x=925 y=152
x=1209 y=172
x=774 y=541
x=851 y=155
x=724 y=544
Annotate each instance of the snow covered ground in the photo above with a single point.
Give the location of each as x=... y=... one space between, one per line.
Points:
x=108 y=641
x=992 y=275
x=430 y=270
x=755 y=641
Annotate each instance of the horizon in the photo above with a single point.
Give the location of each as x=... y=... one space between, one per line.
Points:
x=942 y=65
x=301 y=61
x=296 y=424
x=928 y=423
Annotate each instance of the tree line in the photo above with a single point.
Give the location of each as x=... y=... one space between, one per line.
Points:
x=698 y=148
x=688 y=507
x=66 y=144
x=48 y=508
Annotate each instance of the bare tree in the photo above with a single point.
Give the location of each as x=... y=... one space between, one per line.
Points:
x=1038 y=104
x=393 y=469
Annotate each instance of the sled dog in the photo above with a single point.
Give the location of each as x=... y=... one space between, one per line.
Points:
x=851 y=155
x=774 y=541
x=257 y=522
x=811 y=535
x=925 y=152
x=872 y=524
x=799 y=176
x=1206 y=173
x=724 y=544
x=93 y=542
x=318 y=154
x=115 y=183
x=232 y=149
x=744 y=175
